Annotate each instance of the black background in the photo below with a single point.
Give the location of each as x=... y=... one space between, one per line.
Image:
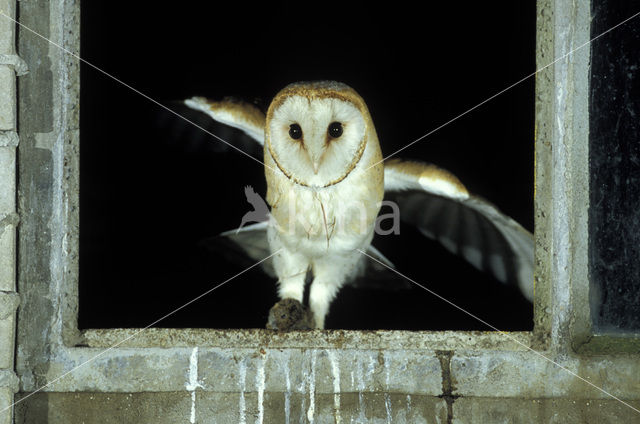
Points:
x=153 y=187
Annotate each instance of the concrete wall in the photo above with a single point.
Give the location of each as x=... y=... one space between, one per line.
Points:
x=10 y=66
x=207 y=376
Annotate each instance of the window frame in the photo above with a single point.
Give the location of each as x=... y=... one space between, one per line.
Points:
x=50 y=287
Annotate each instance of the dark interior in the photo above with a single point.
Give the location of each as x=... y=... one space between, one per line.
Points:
x=155 y=190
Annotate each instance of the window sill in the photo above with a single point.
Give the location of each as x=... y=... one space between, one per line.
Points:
x=320 y=339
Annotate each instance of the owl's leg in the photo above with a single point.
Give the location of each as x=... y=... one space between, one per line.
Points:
x=291 y=269
x=291 y=272
x=330 y=273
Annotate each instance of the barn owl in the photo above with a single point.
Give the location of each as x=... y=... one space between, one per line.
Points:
x=326 y=179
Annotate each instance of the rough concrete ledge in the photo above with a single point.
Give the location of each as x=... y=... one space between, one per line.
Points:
x=6 y=400
x=231 y=370
x=7 y=27
x=327 y=339
x=9 y=380
x=104 y=408
x=8 y=108
x=262 y=368
x=244 y=407
x=9 y=139
x=19 y=66
x=522 y=375
x=9 y=302
x=534 y=411
x=10 y=65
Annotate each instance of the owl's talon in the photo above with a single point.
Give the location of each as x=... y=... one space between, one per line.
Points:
x=289 y=314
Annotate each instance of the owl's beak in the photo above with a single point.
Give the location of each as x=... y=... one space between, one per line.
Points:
x=315 y=152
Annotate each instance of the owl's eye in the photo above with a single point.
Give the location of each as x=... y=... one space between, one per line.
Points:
x=295 y=131
x=335 y=129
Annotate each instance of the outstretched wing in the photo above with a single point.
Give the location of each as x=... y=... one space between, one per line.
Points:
x=437 y=203
x=430 y=198
x=235 y=113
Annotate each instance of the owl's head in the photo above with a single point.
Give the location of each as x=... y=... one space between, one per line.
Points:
x=316 y=132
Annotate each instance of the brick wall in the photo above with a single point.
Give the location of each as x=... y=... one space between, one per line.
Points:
x=10 y=65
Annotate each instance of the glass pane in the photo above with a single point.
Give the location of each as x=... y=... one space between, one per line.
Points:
x=614 y=216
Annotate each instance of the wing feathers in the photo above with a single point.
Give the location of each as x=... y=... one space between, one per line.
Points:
x=406 y=175
x=429 y=197
x=439 y=205
x=235 y=113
